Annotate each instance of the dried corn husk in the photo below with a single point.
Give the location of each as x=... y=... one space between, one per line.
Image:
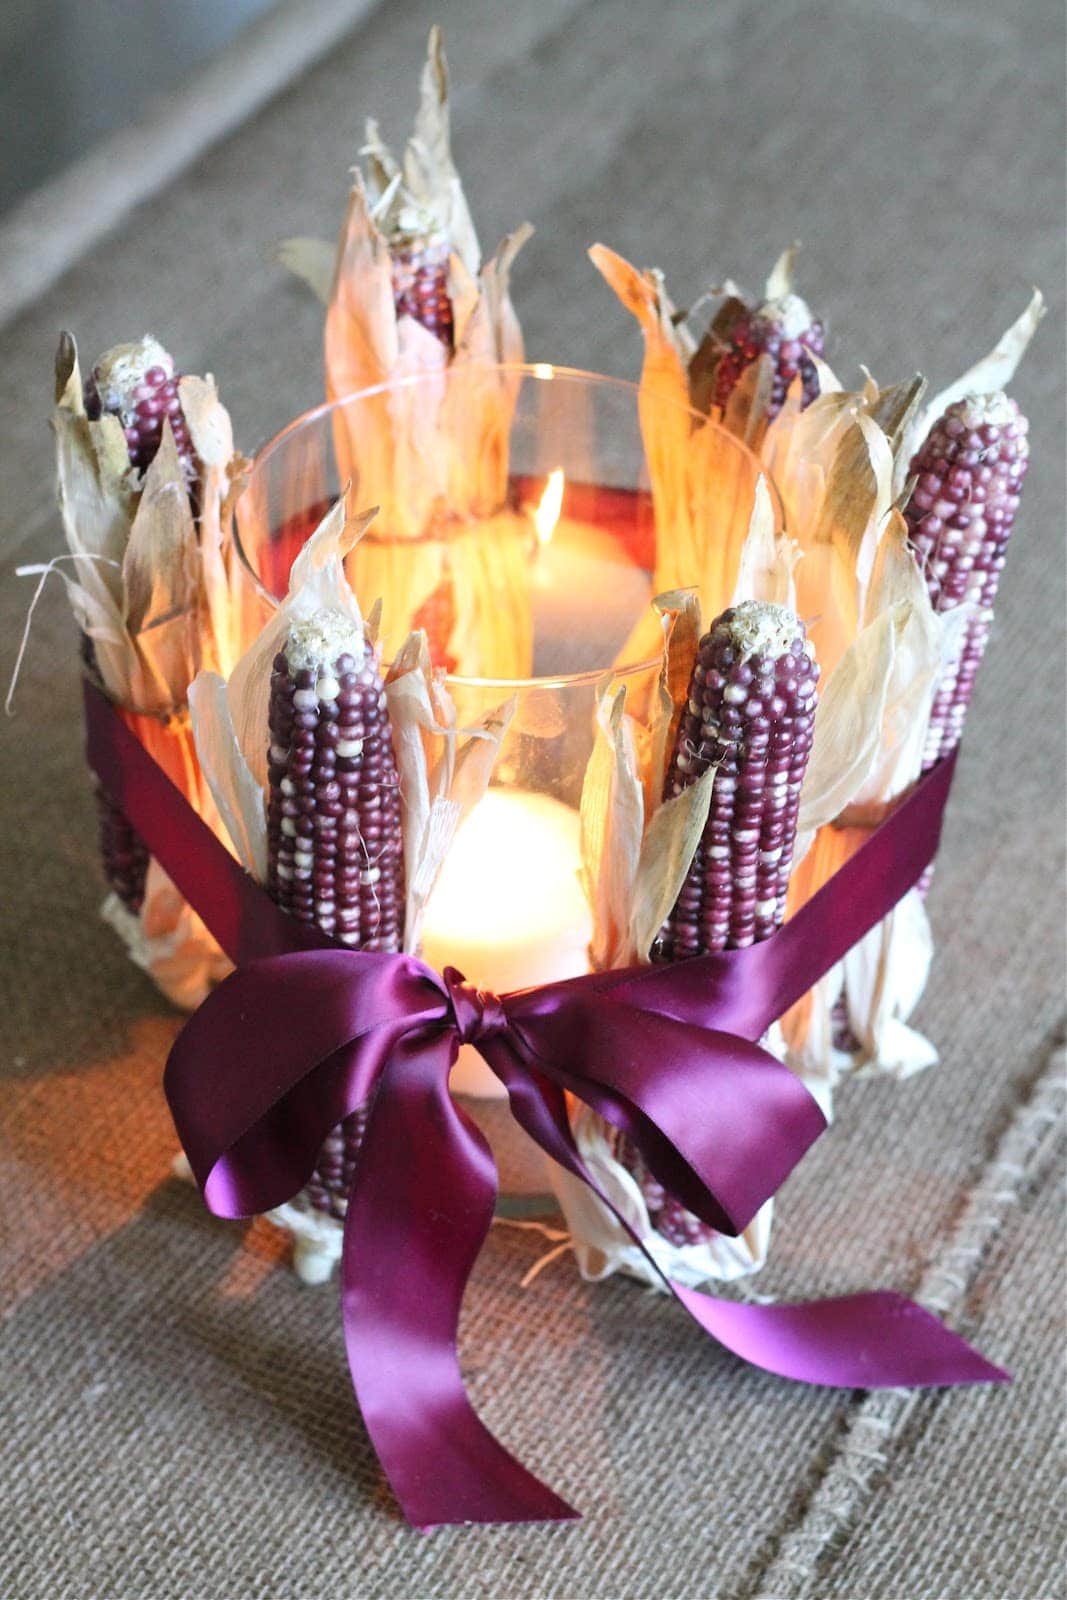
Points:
x=153 y=592
x=443 y=770
x=708 y=496
x=433 y=454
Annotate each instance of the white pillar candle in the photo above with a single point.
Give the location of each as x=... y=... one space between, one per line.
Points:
x=508 y=909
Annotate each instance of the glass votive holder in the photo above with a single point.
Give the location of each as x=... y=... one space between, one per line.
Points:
x=526 y=543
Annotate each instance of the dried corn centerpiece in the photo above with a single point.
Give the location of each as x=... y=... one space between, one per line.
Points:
x=341 y=794
x=136 y=384
x=420 y=250
x=333 y=814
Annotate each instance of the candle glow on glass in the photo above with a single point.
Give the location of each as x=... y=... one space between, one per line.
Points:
x=573 y=562
x=546 y=513
x=508 y=909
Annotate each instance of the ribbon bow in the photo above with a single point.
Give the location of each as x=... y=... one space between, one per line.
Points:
x=297 y=1038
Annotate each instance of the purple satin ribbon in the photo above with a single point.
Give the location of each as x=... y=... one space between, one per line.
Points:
x=304 y=1032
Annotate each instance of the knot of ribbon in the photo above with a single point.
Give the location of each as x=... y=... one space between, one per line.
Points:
x=304 y=1032
x=479 y=1014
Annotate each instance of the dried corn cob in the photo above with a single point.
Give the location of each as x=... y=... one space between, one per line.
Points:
x=138 y=384
x=420 y=279
x=785 y=330
x=969 y=474
x=780 y=327
x=333 y=818
x=750 y=715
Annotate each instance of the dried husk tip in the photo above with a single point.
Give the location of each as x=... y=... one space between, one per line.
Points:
x=409 y=296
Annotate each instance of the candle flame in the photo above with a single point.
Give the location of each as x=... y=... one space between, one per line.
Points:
x=547 y=513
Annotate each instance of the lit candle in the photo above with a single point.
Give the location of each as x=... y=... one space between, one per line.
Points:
x=508 y=909
x=578 y=568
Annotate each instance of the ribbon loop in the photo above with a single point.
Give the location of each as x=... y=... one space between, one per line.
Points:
x=479 y=1014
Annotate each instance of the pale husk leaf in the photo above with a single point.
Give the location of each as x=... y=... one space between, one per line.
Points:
x=237 y=794
x=991 y=373
x=667 y=852
x=443 y=770
x=848 y=725
x=612 y=821
x=601 y=1245
x=158 y=572
x=780 y=281
x=765 y=568
x=429 y=170
x=679 y=614
x=884 y=978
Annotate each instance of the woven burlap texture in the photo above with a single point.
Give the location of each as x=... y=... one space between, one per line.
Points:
x=177 y=1420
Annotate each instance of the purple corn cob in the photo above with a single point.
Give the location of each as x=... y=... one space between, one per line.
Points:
x=420 y=282
x=969 y=474
x=333 y=819
x=750 y=715
x=783 y=329
x=138 y=384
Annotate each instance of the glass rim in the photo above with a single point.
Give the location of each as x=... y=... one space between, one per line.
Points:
x=542 y=372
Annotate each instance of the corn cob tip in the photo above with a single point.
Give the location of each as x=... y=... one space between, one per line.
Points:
x=789 y=313
x=121 y=370
x=319 y=640
x=138 y=384
x=759 y=627
x=785 y=329
x=994 y=409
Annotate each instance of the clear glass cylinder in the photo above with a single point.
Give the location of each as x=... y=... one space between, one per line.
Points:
x=519 y=527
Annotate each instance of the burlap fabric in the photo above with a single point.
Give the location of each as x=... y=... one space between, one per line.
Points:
x=176 y=1414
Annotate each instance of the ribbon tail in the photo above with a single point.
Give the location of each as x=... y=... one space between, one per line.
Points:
x=417 y=1218
x=876 y=1340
